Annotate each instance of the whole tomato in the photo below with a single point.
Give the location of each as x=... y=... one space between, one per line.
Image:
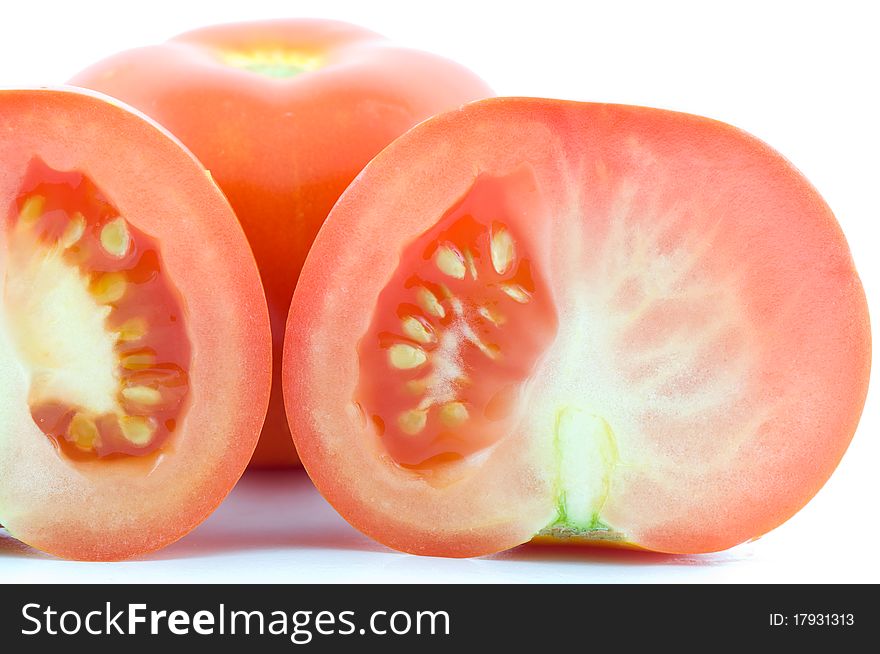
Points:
x=284 y=114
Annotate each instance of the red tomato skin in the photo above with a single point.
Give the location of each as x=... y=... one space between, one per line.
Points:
x=283 y=150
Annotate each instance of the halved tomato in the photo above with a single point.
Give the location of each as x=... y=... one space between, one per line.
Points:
x=136 y=351
x=284 y=113
x=535 y=318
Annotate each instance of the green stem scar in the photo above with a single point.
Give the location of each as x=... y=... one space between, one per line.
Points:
x=276 y=63
x=586 y=456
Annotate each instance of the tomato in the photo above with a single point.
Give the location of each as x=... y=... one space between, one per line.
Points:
x=284 y=113
x=136 y=347
x=594 y=323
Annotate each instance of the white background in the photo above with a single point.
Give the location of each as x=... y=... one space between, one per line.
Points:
x=802 y=76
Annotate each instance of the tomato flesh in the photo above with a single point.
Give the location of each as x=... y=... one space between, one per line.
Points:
x=63 y=218
x=456 y=332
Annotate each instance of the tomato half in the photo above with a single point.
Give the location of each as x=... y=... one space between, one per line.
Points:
x=284 y=114
x=600 y=323
x=136 y=350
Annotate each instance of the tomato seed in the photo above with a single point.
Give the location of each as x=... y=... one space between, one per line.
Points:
x=429 y=302
x=450 y=262
x=417 y=330
x=74 y=230
x=83 y=431
x=143 y=395
x=502 y=249
x=406 y=356
x=413 y=421
x=32 y=209
x=138 y=430
x=109 y=288
x=115 y=238
x=452 y=414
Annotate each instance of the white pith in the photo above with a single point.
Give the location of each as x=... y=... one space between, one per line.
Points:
x=442 y=385
x=593 y=386
x=58 y=329
x=587 y=457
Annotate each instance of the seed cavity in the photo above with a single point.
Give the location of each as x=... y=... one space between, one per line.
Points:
x=83 y=431
x=137 y=430
x=516 y=293
x=417 y=330
x=74 y=230
x=451 y=332
x=115 y=238
x=453 y=414
x=429 y=302
x=405 y=357
x=143 y=395
x=413 y=421
x=450 y=262
x=503 y=250
x=102 y=333
x=109 y=288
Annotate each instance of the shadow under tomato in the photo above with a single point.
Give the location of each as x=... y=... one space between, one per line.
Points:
x=11 y=547
x=581 y=554
x=268 y=510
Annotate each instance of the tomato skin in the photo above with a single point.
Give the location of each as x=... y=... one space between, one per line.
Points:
x=797 y=340
x=100 y=510
x=283 y=150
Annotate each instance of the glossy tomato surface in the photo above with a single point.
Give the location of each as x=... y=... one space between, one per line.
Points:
x=284 y=114
x=135 y=349
x=534 y=318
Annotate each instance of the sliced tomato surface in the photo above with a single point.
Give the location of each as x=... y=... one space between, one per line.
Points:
x=135 y=354
x=542 y=319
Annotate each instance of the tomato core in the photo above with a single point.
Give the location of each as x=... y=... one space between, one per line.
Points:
x=457 y=331
x=98 y=325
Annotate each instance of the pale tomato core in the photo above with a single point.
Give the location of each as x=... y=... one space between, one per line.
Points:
x=457 y=331
x=97 y=323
